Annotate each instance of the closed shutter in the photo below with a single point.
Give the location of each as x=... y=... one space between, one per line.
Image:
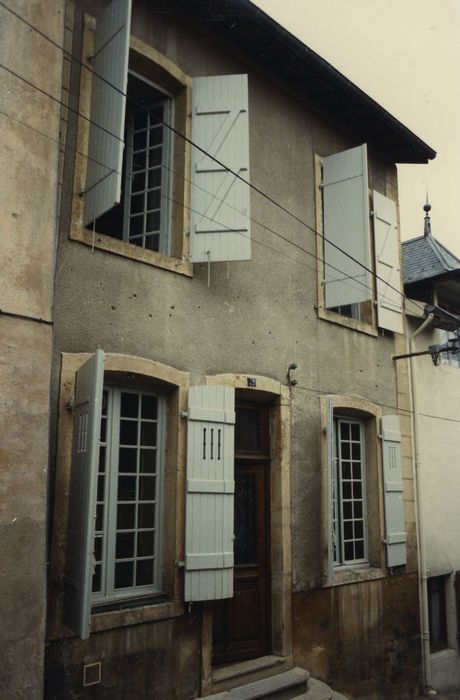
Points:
x=331 y=498
x=108 y=101
x=387 y=265
x=395 y=537
x=210 y=492
x=346 y=225
x=82 y=494
x=219 y=218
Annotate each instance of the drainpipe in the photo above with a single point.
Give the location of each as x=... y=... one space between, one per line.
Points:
x=422 y=565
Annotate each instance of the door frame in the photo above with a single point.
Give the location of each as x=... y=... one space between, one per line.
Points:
x=277 y=397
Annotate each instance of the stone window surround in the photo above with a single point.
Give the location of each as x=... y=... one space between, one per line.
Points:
x=370 y=414
x=146 y=60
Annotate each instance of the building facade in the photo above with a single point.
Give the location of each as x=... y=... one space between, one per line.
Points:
x=231 y=489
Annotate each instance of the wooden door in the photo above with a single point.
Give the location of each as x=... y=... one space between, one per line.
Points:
x=242 y=623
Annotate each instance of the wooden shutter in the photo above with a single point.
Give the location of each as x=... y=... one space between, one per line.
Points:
x=395 y=537
x=210 y=491
x=82 y=494
x=387 y=264
x=331 y=479
x=346 y=224
x=108 y=102
x=219 y=218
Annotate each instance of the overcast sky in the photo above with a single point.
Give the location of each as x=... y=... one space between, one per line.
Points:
x=405 y=54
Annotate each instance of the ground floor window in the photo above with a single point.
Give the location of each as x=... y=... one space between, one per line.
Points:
x=126 y=558
x=437 y=612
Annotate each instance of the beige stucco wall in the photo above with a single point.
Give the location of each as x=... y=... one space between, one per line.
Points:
x=28 y=191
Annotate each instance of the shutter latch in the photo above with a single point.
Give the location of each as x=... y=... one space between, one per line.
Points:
x=184 y=414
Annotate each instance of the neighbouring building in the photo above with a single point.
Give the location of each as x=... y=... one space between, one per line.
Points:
x=29 y=173
x=231 y=492
x=432 y=281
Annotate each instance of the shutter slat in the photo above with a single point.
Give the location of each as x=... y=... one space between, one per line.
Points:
x=387 y=264
x=82 y=494
x=220 y=208
x=209 y=495
x=346 y=224
x=395 y=537
x=108 y=104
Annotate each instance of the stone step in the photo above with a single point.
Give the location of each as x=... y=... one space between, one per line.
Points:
x=283 y=686
x=317 y=690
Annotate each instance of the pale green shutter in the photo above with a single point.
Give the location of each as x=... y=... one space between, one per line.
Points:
x=219 y=217
x=331 y=482
x=395 y=534
x=387 y=265
x=346 y=225
x=210 y=490
x=82 y=494
x=108 y=102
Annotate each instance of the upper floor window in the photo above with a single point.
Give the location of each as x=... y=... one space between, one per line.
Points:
x=453 y=357
x=142 y=216
x=347 y=285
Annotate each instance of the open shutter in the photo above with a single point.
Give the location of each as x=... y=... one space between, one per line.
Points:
x=210 y=492
x=331 y=502
x=108 y=101
x=395 y=538
x=219 y=217
x=82 y=494
x=346 y=225
x=387 y=264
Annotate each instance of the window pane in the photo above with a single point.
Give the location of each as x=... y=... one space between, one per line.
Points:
x=146 y=515
x=349 y=551
x=126 y=488
x=103 y=429
x=127 y=459
x=126 y=516
x=356 y=450
x=152 y=222
x=128 y=432
x=96 y=583
x=344 y=431
x=348 y=530
x=358 y=509
x=136 y=225
x=347 y=510
x=144 y=573
x=345 y=450
x=147 y=462
x=145 y=543
x=98 y=548
x=139 y=161
x=140 y=120
x=152 y=242
x=359 y=550
x=355 y=432
x=357 y=489
x=139 y=140
x=154 y=178
x=149 y=406
x=100 y=487
x=101 y=467
x=147 y=488
x=359 y=529
x=148 y=434
x=138 y=182
x=99 y=517
x=155 y=156
x=137 y=203
x=247 y=430
x=156 y=135
x=129 y=405
x=124 y=574
x=346 y=490
x=125 y=545
x=346 y=470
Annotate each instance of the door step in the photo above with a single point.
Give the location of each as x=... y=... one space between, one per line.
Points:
x=284 y=686
x=317 y=690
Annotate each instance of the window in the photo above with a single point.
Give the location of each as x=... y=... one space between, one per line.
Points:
x=437 y=612
x=362 y=482
x=451 y=358
x=129 y=495
x=168 y=156
x=349 y=502
x=346 y=286
x=142 y=217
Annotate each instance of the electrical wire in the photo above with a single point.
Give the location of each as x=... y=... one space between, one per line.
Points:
x=187 y=140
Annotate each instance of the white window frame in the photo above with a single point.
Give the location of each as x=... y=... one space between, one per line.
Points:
x=340 y=560
x=108 y=496
x=164 y=237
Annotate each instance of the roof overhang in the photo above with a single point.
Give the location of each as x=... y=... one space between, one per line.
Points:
x=240 y=25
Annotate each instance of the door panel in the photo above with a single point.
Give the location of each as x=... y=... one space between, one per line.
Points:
x=242 y=623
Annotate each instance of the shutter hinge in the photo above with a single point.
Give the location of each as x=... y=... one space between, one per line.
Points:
x=184 y=414
x=70 y=405
x=180 y=564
